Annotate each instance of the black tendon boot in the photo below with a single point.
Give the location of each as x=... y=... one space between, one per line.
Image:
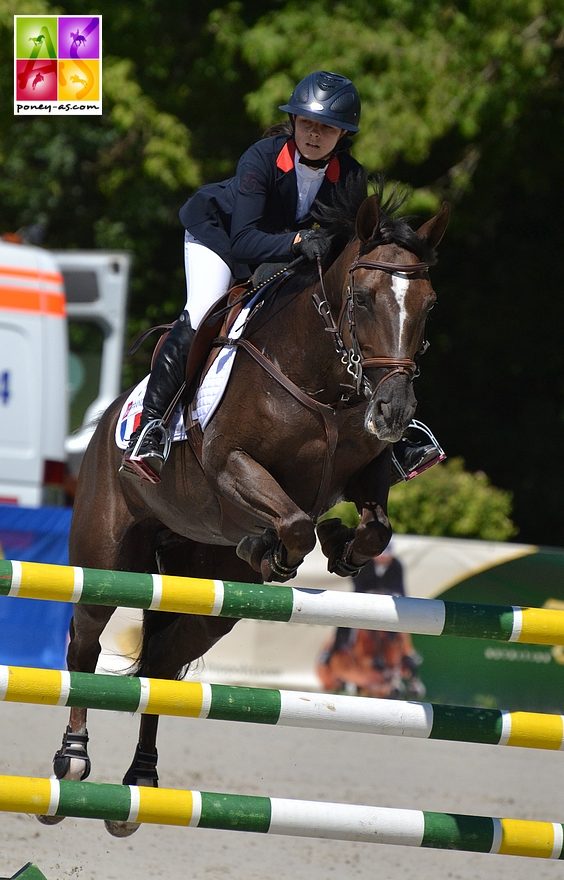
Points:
x=417 y=451
x=149 y=445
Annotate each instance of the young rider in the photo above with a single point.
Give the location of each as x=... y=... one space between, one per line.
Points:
x=260 y=215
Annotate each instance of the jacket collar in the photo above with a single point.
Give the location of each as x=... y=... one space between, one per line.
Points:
x=286 y=158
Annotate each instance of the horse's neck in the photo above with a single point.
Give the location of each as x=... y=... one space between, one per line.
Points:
x=301 y=346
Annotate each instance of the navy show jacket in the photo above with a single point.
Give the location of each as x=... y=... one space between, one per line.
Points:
x=250 y=218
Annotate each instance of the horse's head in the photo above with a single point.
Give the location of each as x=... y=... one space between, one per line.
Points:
x=389 y=295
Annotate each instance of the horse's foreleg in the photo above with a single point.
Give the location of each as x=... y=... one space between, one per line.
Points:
x=348 y=549
x=289 y=532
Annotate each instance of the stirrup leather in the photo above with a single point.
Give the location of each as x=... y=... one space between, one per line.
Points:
x=416 y=425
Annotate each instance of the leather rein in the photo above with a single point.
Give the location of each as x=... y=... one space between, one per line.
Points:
x=351 y=358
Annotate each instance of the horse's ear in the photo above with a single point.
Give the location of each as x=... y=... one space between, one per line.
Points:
x=368 y=218
x=433 y=230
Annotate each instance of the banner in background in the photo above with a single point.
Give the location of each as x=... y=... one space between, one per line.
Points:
x=34 y=633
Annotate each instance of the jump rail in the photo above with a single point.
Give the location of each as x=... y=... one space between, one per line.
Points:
x=28 y=872
x=202 y=809
x=285 y=708
x=290 y=604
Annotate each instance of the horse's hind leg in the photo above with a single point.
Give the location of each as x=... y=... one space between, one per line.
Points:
x=173 y=641
x=103 y=535
x=71 y=761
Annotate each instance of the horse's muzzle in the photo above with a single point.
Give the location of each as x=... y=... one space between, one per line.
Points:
x=391 y=408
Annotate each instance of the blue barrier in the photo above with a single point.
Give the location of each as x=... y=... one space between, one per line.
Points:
x=34 y=633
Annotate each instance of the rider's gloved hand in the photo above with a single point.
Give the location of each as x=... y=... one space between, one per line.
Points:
x=311 y=244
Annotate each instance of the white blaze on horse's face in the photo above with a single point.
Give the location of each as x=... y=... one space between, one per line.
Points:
x=400 y=285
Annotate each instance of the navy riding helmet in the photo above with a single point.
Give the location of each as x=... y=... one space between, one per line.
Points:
x=326 y=97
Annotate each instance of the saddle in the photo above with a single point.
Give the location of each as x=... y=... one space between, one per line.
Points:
x=211 y=336
x=221 y=317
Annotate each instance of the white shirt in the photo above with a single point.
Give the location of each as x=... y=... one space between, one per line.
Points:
x=308 y=181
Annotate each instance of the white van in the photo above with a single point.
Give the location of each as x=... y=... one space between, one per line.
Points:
x=33 y=377
x=96 y=287
x=62 y=328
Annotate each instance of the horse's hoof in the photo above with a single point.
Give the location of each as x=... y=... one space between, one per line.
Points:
x=49 y=820
x=251 y=550
x=121 y=829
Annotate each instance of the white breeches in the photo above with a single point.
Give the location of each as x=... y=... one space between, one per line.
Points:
x=207 y=278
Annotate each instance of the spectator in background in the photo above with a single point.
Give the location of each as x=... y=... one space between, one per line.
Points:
x=370 y=662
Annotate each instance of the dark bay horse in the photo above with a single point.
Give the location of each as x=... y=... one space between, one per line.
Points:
x=322 y=389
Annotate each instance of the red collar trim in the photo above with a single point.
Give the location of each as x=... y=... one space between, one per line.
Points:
x=285 y=158
x=333 y=170
x=287 y=155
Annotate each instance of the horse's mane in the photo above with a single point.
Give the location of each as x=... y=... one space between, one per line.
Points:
x=338 y=217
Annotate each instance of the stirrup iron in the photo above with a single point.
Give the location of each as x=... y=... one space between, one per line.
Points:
x=158 y=426
x=416 y=425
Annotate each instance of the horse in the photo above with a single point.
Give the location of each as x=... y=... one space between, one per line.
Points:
x=322 y=387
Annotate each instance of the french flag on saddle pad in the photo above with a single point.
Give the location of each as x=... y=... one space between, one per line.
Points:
x=130 y=416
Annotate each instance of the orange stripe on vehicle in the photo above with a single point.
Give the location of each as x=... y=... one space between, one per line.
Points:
x=31 y=273
x=25 y=300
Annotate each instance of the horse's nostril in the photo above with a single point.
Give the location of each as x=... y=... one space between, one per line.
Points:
x=385 y=409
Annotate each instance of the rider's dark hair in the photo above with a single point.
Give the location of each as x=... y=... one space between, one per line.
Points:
x=279 y=128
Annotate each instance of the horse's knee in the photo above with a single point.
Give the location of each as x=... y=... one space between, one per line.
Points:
x=297 y=533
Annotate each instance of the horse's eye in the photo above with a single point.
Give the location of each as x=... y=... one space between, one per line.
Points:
x=363 y=300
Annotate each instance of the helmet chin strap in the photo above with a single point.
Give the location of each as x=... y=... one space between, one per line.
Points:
x=315 y=163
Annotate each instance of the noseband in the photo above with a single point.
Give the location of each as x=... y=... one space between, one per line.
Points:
x=351 y=358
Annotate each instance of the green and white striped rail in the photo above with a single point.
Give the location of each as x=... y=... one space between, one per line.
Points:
x=266 y=815
x=28 y=872
x=285 y=708
x=507 y=623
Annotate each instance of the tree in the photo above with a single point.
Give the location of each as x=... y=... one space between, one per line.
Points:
x=447 y=501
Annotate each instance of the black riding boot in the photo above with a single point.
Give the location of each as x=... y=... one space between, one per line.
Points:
x=149 y=445
x=415 y=453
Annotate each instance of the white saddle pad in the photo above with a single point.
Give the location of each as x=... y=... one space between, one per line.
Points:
x=204 y=405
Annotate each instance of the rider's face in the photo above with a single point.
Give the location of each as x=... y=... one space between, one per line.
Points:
x=315 y=140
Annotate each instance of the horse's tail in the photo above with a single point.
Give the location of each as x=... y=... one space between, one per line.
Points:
x=157 y=656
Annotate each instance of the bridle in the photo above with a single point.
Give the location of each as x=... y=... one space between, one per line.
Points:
x=351 y=357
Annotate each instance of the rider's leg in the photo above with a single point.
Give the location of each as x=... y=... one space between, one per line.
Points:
x=417 y=451
x=146 y=452
x=207 y=278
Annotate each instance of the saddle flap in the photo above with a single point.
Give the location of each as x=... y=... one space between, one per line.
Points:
x=215 y=323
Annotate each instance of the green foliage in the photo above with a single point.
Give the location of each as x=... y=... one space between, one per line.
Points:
x=451 y=502
x=447 y=501
x=424 y=70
